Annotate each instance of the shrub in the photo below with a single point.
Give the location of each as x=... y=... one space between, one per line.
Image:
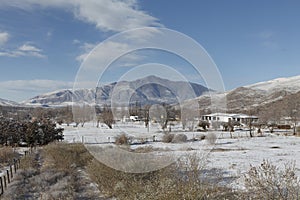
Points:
x=179 y=138
x=298 y=130
x=167 y=138
x=200 y=137
x=267 y=181
x=211 y=138
x=122 y=139
x=63 y=156
x=176 y=181
x=7 y=154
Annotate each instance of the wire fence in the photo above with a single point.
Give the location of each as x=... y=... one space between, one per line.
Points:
x=9 y=172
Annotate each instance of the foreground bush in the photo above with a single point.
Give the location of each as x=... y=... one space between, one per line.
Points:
x=178 y=181
x=267 y=181
x=64 y=156
x=54 y=172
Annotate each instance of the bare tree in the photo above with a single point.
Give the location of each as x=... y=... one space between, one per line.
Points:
x=105 y=116
x=188 y=117
x=82 y=114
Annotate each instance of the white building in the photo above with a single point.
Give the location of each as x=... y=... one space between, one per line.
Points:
x=224 y=117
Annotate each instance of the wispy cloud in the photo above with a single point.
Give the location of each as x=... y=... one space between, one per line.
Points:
x=267 y=40
x=113 y=49
x=4 y=36
x=106 y=15
x=24 y=50
x=19 y=90
x=265 y=35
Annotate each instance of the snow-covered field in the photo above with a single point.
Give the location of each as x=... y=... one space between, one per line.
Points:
x=232 y=155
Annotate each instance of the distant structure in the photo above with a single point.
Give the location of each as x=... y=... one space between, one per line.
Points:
x=224 y=117
x=134 y=118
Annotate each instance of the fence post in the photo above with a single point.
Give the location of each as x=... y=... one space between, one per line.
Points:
x=15 y=165
x=8 y=179
x=5 y=185
x=2 y=188
x=11 y=172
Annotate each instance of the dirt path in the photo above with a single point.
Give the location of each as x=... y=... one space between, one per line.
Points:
x=41 y=181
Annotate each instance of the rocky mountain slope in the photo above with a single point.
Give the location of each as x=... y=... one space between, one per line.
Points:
x=148 y=90
x=4 y=102
x=259 y=96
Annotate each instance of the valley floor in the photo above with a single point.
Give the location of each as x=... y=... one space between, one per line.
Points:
x=234 y=156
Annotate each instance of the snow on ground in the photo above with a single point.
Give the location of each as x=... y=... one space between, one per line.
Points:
x=232 y=155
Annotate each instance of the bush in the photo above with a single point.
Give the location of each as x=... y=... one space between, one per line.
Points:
x=179 y=138
x=7 y=154
x=298 y=130
x=177 y=181
x=200 y=137
x=267 y=181
x=63 y=156
x=53 y=172
x=211 y=138
x=167 y=138
x=122 y=139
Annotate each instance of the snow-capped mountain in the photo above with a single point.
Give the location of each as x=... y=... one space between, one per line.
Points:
x=151 y=90
x=148 y=90
x=257 y=96
x=4 y=102
x=291 y=84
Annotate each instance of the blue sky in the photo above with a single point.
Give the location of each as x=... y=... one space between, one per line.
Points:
x=42 y=44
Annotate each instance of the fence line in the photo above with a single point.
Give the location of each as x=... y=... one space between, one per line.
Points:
x=10 y=171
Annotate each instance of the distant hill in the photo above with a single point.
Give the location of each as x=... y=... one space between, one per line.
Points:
x=4 y=102
x=148 y=90
x=259 y=96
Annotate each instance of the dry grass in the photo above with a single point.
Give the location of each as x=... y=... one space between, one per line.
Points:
x=53 y=173
x=7 y=154
x=122 y=139
x=177 y=181
x=64 y=156
x=267 y=181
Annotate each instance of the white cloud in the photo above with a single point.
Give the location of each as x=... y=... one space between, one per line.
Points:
x=98 y=57
x=106 y=15
x=75 y=41
x=29 y=48
x=24 y=50
x=4 y=36
x=49 y=33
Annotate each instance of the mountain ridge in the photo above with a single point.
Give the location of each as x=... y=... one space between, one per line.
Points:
x=148 y=90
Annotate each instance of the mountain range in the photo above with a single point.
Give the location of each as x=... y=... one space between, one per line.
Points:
x=259 y=96
x=4 y=102
x=148 y=90
x=153 y=90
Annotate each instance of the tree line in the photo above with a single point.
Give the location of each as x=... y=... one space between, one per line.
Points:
x=28 y=132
